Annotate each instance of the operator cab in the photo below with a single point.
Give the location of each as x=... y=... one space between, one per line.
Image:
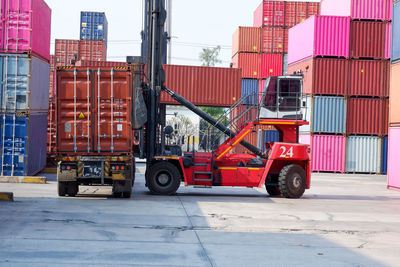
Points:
x=282 y=98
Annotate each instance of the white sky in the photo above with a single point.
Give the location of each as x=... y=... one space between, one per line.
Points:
x=195 y=24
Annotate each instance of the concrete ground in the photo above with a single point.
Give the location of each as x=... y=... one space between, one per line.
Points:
x=344 y=220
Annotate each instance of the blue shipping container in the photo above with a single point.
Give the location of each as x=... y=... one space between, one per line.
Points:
x=22 y=144
x=329 y=114
x=94 y=26
x=271 y=136
x=384 y=161
x=396 y=32
x=250 y=91
x=25 y=84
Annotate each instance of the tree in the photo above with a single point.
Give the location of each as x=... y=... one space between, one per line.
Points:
x=183 y=127
x=210 y=56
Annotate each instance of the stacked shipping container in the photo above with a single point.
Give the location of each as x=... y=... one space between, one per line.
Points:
x=261 y=51
x=394 y=118
x=24 y=91
x=344 y=60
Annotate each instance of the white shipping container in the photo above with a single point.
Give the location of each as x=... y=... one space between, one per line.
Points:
x=363 y=154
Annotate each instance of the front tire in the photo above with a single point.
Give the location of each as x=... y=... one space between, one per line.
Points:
x=292 y=181
x=163 y=178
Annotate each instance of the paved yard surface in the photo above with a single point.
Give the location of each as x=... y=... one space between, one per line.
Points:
x=344 y=220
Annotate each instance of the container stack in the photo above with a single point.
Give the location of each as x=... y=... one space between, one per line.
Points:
x=344 y=57
x=24 y=97
x=261 y=51
x=394 y=119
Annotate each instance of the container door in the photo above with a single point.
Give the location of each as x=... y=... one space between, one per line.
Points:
x=75 y=111
x=13 y=141
x=113 y=126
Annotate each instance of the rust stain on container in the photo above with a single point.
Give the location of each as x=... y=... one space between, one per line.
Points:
x=246 y=39
x=367 y=116
x=367 y=39
x=369 y=78
x=323 y=76
x=89 y=120
x=203 y=86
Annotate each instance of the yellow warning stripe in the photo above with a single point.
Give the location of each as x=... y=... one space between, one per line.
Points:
x=227 y=168
x=272 y=123
x=237 y=141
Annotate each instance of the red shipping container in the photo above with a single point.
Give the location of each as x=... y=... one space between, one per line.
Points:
x=203 y=86
x=313 y=9
x=368 y=39
x=323 y=76
x=51 y=128
x=97 y=64
x=290 y=14
x=274 y=40
x=66 y=51
x=249 y=63
x=246 y=39
x=301 y=12
x=92 y=50
x=270 y=13
x=52 y=74
x=369 y=78
x=88 y=118
x=271 y=65
x=367 y=116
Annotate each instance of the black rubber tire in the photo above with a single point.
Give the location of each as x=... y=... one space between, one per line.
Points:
x=72 y=189
x=273 y=190
x=62 y=189
x=292 y=181
x=170 y=172
x=127 y=194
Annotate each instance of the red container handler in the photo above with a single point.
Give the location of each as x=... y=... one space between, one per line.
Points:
x=368 y=39
x=323 y=76
x=246 y=39
x=66 y=52
x=367 y=116
x=25 y=27
x=203 y=86
x=249 y=63
x=92 y=50
x=89 y=120
x=369 y=78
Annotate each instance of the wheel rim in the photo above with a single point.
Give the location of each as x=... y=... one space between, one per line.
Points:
x=296 y=181
x=163 y=179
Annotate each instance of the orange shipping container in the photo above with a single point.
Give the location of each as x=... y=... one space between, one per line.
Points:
x=249 y=63
x=94 y=111
x=93 y=50
x=203 y=86
x=274 y=40
x=246 y=39
x=66 y=51
x=395 y=95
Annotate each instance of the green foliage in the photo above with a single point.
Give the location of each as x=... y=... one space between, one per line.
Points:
x=209 y=56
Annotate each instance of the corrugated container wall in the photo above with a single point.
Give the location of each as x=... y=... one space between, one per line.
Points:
x=24 y=83
x=369 y=78
x=328 y=153
x=52 y=77
x=105 y=64
x=368 y=39
x=246 y=39
x=271 y=65
x=323 y=76
x=329 y=114
x=92 y=50
x=51 y=128
x=94 y=26
x=249 y=64
x=101 y=124
x=203 y=86
x=367 y=116
x=394 y=113
x=66 y=52
x=25 y=27
x=24 y=139
x=358 y=9
x=250 y=91
x=319 y=36
x=396 y=32
x=275 y=40
x=393 y=157
x=271 y=136
x=384 y=158
x=363 y=154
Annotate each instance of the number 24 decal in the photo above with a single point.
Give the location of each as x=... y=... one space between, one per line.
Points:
x=286 y=153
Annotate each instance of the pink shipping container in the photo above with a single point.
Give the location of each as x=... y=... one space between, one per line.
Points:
x=393 y=158
x=25 y=27
x=271 y=65
x=358 y=9
x=319 y=36
x=328 y=153
x=249 y=63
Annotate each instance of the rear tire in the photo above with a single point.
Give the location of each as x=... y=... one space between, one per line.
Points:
x=273 y=190
x=72 y=189
x=62 y=189
x=292 y=181
x=163 y=178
